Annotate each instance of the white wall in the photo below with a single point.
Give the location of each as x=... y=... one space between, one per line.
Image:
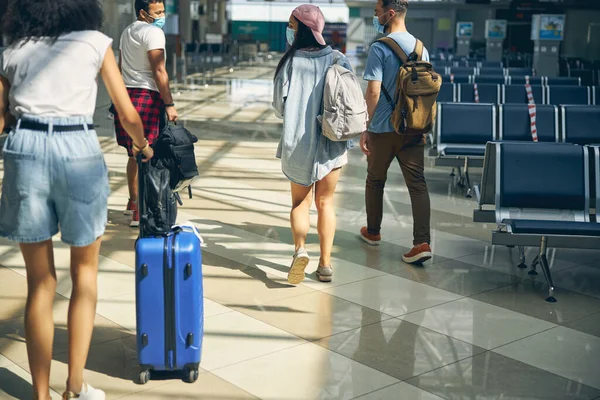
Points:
x=242 y=10
x=443 y=17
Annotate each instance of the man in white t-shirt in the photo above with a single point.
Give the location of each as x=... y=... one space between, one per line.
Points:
x=142 y=63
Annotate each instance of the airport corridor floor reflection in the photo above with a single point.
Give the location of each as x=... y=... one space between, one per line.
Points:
x=467 y=325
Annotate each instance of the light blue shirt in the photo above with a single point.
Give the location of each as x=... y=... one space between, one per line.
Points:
x=306 y=155
x=382 y=66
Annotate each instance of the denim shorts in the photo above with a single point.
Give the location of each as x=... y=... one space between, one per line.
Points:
x=51 y=180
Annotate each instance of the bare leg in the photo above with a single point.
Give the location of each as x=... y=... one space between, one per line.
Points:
x=300 y=214
x=132 y=178
x=82 y=310
x=39 y=322
x=324 y=190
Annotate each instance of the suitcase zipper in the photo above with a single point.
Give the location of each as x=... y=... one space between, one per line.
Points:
x=169 y=295
x=173 y=308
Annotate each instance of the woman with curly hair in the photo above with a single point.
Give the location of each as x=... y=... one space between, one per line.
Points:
x=55 y=174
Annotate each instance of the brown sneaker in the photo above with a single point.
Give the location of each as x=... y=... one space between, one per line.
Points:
x=135 y=219
x=418 y=254
x=131 y=207
x=373 y=240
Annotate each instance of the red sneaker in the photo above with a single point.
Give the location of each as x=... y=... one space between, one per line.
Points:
x=418 y=254
x=135 y=220
x=131 y=207
x=373 y=240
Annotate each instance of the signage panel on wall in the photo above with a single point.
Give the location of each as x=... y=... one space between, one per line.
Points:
x=548 y=27
x=495 y=29
x=464 y=30
x=552 y=27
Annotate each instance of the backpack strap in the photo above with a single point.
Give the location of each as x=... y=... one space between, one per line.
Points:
x=395 y=47
x=401 y=54
x=419 y=50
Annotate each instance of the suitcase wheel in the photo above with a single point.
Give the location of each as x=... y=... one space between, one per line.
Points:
x=190 y=375
x=144 y=377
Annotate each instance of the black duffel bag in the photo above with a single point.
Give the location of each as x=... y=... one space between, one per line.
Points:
x=175 y=148
x=157 y=202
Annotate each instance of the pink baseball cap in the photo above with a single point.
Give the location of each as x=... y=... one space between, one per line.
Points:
x=311 y=16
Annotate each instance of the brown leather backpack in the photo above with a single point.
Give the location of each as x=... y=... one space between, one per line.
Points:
x=417 y=88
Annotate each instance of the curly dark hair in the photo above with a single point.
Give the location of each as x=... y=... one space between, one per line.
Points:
x=144 y=5
x=35 y=19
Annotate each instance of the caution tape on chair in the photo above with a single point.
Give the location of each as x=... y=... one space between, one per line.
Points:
x=532 y=110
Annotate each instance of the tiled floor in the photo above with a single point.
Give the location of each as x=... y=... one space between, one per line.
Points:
x=467 y=325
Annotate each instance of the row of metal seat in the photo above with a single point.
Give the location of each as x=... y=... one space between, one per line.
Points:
x=513 y=80
x=506 y=94
x=466 y=63
x=485 y=71
x=463 y=130
x=544 y=195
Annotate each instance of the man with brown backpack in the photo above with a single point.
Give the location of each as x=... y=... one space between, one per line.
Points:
x=401 y=101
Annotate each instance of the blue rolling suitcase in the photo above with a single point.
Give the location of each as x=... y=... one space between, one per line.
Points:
x=169 y=300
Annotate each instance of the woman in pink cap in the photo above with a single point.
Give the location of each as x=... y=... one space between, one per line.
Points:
x=308 y=159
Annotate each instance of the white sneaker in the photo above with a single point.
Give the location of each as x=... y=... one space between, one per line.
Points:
x=299 y=264
x=87 y=393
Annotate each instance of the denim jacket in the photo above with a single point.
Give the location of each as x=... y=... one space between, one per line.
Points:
x=306 y=155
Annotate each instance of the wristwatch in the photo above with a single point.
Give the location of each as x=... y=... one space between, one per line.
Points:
x=169 y=105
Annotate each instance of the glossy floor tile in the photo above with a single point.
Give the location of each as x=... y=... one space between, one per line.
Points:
x=400 y=390
x=478 y=323
x=589 y=325
x=315 y=315
x=14 y=294
x=305 y=372
x=563 y=351
x=207 y=387
x=231 y=283
x=582 y=279
x=399 y=348
x=505 y=260
x=392 y=295
x=527 y=297
x=15 y=383
x=111 y=367
x=12 y=333
x=492 y=376
x=457 y=277
x=5 y=362
x=119 y=310
x=234 y=337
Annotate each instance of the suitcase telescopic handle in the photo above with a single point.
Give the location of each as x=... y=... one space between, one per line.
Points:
x=140 y=200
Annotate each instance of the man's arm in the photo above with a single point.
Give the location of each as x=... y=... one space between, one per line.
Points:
x=161 y=77
x=374 y=75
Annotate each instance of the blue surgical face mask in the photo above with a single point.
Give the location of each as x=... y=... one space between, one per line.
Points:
x=290 y=35
x=377 y=25
x=159 y=22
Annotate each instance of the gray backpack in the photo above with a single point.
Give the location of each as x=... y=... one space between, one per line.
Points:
x=344 y=107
